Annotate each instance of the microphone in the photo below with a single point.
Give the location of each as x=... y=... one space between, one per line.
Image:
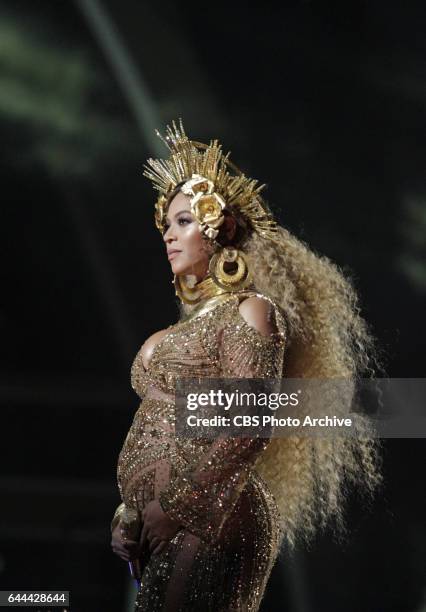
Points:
x=130 y=525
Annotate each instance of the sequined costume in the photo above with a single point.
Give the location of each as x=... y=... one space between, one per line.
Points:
x=222 y=557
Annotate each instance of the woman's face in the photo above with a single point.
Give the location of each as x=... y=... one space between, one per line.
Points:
x=182 y=235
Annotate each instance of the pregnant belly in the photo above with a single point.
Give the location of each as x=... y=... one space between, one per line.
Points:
x=143 y=483
x=147 y=447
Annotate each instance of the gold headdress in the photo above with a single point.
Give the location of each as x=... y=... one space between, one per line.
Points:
x=214 y=184
x=209 y=182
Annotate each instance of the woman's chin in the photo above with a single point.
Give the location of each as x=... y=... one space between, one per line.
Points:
x=176 y=269
x=180 y=271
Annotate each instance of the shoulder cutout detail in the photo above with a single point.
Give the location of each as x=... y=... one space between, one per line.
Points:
x=258 y=312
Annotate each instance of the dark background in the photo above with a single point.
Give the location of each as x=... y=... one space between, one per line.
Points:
x=323 y=101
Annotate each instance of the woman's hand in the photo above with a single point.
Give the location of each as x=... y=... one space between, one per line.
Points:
x=158 y=528
x=125 y=549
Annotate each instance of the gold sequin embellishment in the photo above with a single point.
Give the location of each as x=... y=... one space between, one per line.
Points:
x=222 y=557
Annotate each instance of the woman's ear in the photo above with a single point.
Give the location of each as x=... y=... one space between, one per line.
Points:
x=229 y=227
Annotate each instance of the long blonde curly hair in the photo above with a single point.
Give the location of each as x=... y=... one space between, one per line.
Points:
x=310 y=477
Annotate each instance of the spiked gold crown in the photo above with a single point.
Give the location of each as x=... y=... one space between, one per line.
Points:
x=211 y=179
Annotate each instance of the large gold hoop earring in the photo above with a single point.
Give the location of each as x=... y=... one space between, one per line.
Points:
x=236 y=280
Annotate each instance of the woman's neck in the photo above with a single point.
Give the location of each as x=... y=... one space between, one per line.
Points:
x=210 y=294
x=191 y=292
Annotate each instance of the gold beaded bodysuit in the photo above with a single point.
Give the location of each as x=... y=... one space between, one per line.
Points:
x=221 y=558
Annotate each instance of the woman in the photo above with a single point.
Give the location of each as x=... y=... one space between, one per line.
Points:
x=255 y=302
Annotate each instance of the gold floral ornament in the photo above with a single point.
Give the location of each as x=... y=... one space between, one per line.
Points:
x=206 y=205
x=160 y=212
x=211 y=180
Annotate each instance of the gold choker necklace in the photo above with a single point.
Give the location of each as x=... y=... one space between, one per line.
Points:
x=193 y=292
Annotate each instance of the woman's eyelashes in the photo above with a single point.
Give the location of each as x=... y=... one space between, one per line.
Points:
x=183 y=220
x=180 y=221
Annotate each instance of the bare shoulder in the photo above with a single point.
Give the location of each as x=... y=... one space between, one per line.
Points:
x=150 y=344
x=258 y=313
